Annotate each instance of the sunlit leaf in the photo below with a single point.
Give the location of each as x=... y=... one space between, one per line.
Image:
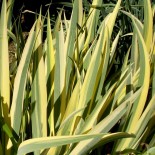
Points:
x=47 y=142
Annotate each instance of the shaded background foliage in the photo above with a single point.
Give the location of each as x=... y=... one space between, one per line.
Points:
x=27 y=19
x=54 y=6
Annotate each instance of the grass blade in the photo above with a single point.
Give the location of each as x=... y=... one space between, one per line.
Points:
x=39 y=93
x=71 y=36
x=4 y=65
x=20 y=83
x=92 y=23
x=50 y=59
x=148 y=24
x=112 y=137
x=60 y=70
x=48 y=142
x=10 y=5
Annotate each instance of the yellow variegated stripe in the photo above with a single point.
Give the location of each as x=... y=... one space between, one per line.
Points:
x=60 y=72
x=50 y=59
x=4 y=73
x=112 y=19
x=134 y=52
x=39 y=94
x=148 y=24
x=4 y=65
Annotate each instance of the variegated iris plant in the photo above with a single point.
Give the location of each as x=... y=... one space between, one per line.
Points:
x=61 y=97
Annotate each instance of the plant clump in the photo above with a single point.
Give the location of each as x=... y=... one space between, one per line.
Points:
x=83 y=86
